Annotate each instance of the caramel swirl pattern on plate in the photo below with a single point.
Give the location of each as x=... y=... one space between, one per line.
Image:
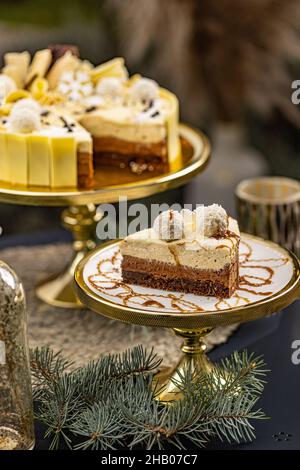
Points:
x=264 y=271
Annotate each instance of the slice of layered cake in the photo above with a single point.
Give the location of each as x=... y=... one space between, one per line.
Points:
x=194 y=252
x=134 y=125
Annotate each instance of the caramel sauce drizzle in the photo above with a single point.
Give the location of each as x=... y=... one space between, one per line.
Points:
x=250 y=283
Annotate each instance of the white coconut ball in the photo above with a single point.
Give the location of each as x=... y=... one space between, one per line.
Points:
x=169 y=225
x=215 y=221
x=110 y=87
x=144 y=91
x=24 y=120
x=27 y=103
x=7 y=85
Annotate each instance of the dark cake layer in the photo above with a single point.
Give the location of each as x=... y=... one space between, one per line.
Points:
x=139 y=157
x=85 y=170
x=165 y=276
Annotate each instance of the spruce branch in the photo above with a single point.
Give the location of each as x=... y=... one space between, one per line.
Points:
x=101 y=426
x=111 y=402
x=58 y=407
x=46 y=367
x=95 y=379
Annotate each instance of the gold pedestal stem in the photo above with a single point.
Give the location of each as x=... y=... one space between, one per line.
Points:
x=194 y=358
x=81 y=221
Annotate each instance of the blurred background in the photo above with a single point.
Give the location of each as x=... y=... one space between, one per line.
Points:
x=230 y=62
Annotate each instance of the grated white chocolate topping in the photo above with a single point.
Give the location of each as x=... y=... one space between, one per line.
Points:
x=111 y=88
x=143 y=91
x=24 y=120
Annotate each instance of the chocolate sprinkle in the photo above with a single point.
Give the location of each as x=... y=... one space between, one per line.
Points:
x=150 y=104
x=90 y=109
x=66 y=124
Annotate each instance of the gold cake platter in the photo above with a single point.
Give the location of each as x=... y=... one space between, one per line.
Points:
x=269 y=281
x=81 y=216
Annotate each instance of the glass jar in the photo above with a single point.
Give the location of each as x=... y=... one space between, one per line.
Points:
x=16 y=408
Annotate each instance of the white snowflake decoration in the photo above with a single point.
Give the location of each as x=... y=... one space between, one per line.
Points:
x=75 y=85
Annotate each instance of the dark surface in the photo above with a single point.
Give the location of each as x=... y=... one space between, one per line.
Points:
x=271 y=337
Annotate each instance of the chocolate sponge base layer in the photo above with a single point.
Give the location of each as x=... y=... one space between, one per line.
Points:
x=164 y=276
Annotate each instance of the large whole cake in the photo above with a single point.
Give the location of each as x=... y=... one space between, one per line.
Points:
x=60 y=117
x=194 y=252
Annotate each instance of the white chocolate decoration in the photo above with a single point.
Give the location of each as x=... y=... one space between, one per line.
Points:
x=110 y=88
x=24 y=121
x=75 y=85
x=144 y=91
x=27 y=103
x=169 y=225
x=7 y=85
x=188 y=223
x=215 y=221
x=199 y=213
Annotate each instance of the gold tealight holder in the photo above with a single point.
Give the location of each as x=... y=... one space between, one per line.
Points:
x=270 y=208
x=81 y=216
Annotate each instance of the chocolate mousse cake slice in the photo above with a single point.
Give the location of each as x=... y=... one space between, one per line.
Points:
x=193 y=252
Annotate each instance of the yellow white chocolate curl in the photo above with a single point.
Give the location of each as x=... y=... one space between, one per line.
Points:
x=5 y=109
x=39 y=65
x=16 y=66
x=144 y=91
x=112 y=68
x=169 y=225
x=215 y=221
x=17 y=95
x=39 y=88
x=75 y=85
x=51 y=98
x=24 y=121
x=7 y=85
x=67 y=63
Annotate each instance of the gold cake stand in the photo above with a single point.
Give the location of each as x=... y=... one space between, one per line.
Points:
x=192 y=326
x=81 y=216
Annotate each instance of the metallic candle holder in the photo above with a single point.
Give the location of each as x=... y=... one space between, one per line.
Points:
x=81 y=216
x=269 y=207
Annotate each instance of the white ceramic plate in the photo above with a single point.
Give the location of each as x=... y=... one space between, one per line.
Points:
x=265 y=269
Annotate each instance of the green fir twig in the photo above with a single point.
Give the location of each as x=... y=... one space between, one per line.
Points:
x=110 y=402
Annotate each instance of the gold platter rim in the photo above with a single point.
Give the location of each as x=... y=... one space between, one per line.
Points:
x=240 y=314
x=133 y=190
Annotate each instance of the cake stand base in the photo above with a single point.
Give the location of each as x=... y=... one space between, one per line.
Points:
x=167 y=381
x=58 y=289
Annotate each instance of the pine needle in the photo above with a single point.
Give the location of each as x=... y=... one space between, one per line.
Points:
x=110 y=402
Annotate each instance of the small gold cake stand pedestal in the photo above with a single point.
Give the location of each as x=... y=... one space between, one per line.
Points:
x=270 y=281
x=81 y=216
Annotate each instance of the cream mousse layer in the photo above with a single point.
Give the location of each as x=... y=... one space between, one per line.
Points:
x=199 y=253
x=123 y=123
